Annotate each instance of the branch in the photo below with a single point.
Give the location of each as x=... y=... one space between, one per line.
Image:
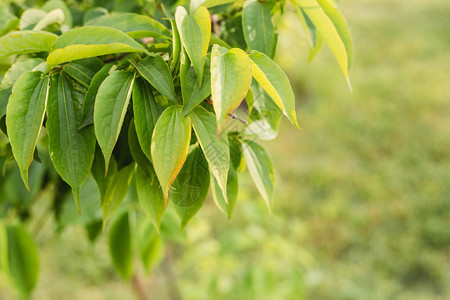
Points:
x=232 y=115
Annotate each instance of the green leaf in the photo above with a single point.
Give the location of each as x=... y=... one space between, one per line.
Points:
x=111 y=106
x=226 y=205
x=136 y=26
x=18 y=69
x=8 y=22
x=151 y=245
x=150 y=194
x=258 y=27
x=3 y=249
x=91 y=41
x=135 y=148
x=146 y=113
x=4 y=98
x=116 y=190
x=314 y=37
x=30 y=17
x=273 y=80
x=24 y=117
x=21 y=42
x=155 y=70
x=83 y=70
x=193 y=95
x=54 y=4
x=191 y=186
x=203 y=18
x=170 y=144
x=55 y=16
x=266 y=116
x=148 y=188
x=23 y=264
x=176 y=45
x=195 y=32
x=261 y=169
x=208 y=3
x=333 y=28
x=71 y=150
x=236 y=158
x=231 y=76
x=89 y=101
x=121 y=246
x=215 y=149
x=93 y=14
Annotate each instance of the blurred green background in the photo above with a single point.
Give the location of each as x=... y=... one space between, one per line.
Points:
x=362 y=206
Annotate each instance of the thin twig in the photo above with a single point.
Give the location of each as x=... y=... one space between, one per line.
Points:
x=232 y=115
x=138 y=288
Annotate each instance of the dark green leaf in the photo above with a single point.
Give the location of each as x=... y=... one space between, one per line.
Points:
x=83 y=70
x=23 y=265
x=71 y=150
x=193 y=95
x=111 y=106
x=121 y=246
x=191 y=186
x=24 y=117
x=146 y=113
x=89 y=101
x=258 y=27
x=155 y=70
x=150 y=194
x=116 y=190
x=151 y=245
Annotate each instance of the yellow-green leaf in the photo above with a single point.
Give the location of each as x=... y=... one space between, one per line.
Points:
x=170 y=144
x=193 y=37
x=333 y=28
x=136 y=26
x=226 y=204
x=24 y=117
x=208 y=3
x=215 y=149
x=21 y=42
x=261 y=169
x=273 y=80
x=90 y=41
x=231 y=76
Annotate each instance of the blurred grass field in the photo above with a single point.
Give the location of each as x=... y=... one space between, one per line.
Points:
x=362 y=207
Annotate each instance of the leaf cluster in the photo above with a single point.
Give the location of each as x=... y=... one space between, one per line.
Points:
x=167 y=98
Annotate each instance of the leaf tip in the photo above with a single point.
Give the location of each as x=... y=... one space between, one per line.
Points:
x=24 y=175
